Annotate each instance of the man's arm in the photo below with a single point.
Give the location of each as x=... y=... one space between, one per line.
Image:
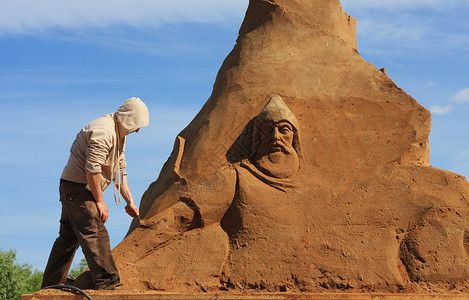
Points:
x=94 y=183
x=131 y=208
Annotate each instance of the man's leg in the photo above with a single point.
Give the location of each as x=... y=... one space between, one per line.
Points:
x=93 y=238
x=62 y=253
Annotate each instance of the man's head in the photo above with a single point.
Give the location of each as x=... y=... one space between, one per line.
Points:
x=276 y=146
x=131 y=116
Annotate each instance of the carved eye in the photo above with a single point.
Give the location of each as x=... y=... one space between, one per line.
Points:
x=285 y=128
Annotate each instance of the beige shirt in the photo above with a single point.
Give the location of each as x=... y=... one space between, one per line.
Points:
x=95 y=148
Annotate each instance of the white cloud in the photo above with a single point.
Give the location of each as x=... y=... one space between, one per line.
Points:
x=460 y=162
x=395 y=27
x=403 y=28
x=461 y=96
x=441 y=110
x=26 y=16
x=403 y=4
x=453 y=41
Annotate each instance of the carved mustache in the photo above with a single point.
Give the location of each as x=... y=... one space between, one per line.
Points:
x=275 y=143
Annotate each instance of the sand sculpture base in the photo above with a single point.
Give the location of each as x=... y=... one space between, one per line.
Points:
x=112 y=295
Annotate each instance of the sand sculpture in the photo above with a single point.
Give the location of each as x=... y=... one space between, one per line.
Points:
x=306 y=170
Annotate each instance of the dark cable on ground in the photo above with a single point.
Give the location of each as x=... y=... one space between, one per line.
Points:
x=69 y=288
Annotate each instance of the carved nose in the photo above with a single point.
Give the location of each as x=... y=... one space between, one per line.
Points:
x=276 y=134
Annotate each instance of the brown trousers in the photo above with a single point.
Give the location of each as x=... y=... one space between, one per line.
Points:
x=80 y=225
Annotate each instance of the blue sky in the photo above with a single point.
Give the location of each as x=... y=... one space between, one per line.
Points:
x=65 y=63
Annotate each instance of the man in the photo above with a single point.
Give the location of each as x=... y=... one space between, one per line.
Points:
x=96 y=159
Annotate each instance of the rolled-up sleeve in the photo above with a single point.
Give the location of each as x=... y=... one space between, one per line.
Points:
x=100 y=144
x=122 y=163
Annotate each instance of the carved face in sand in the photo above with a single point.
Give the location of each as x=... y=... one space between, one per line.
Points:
x=276 y=144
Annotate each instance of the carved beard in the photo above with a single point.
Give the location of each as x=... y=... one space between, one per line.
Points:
x=279 y=164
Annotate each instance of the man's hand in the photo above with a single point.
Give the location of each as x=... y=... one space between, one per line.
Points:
x=132 y=210
x=94 y=182
x=103 y=211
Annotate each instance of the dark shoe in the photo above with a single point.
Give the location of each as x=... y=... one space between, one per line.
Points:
x=120 y=286
x=70 y=280
x=110 y=286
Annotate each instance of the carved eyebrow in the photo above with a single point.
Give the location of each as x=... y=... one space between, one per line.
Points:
x=285 y=123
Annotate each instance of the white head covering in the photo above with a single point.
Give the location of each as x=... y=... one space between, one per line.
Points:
x=131 y=115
